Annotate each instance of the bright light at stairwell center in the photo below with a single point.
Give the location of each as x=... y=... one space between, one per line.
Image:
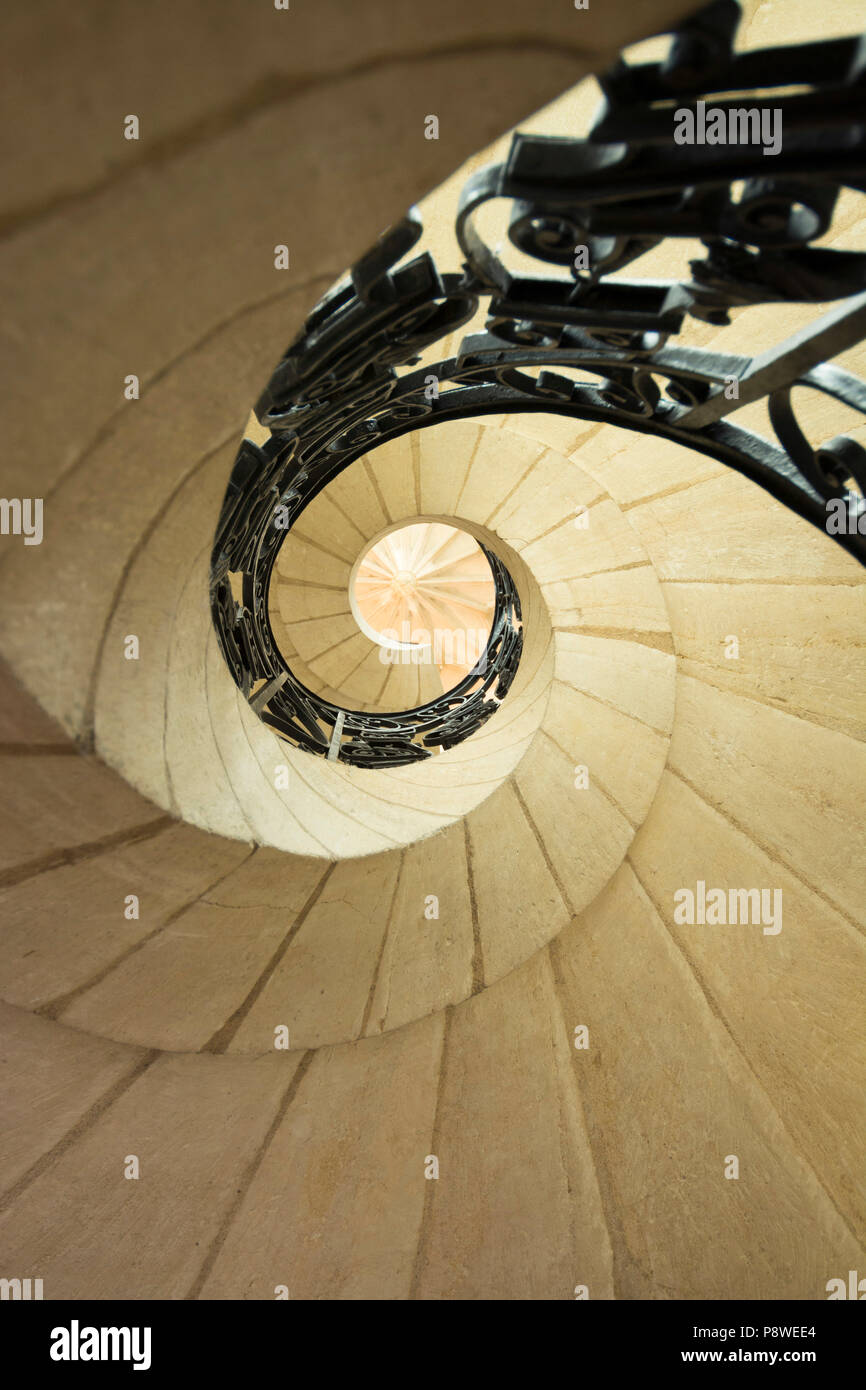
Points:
x=424 y=592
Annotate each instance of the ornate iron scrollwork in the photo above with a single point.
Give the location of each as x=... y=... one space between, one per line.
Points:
x=336 y=393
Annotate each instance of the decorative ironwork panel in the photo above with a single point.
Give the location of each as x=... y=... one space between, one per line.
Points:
x=581 y=340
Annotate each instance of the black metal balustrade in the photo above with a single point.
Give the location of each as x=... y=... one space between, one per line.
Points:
x=619 y=193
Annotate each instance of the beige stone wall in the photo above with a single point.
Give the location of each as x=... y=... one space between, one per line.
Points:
x=260 y=908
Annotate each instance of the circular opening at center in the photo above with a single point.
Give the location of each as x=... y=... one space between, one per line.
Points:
x=425 y=591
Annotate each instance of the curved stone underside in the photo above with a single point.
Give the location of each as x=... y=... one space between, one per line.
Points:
x=418 y=583
x=431 y=937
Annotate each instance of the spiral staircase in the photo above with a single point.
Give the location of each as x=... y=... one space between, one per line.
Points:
x=286 y=983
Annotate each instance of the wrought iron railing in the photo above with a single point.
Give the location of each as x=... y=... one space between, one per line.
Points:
x=592 y=206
